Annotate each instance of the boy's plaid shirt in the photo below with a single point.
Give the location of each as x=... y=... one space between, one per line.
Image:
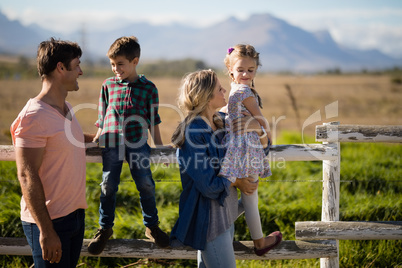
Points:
x=127 y=109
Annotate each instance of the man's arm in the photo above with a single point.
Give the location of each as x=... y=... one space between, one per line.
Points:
x=28 y=162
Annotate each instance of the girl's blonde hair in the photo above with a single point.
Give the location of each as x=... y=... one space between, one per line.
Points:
x=242 y=51
x=196 y=91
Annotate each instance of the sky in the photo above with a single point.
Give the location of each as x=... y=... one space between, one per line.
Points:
x=361 y=24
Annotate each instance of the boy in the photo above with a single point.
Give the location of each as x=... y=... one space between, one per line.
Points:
x=128 y=108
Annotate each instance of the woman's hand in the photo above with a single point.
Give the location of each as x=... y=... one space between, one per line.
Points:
x=246 y=185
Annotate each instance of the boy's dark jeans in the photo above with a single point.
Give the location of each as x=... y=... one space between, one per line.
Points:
x=139 y=163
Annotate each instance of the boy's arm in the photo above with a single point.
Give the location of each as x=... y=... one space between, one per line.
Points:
x=156 y=135
x=103 y=103
x=97 y=135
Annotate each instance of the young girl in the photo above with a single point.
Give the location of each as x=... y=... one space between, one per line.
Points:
x=245 y=155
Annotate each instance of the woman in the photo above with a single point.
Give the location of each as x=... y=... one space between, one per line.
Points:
x=208 y=204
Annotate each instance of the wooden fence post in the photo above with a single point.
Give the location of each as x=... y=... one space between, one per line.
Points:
x=330 y=198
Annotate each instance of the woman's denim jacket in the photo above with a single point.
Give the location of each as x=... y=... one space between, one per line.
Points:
x=199 y=159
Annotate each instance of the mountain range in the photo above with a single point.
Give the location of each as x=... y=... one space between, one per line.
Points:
x=282 y=46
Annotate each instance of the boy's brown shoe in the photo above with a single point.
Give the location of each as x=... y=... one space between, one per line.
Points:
x=159 y=237
x=98 y=243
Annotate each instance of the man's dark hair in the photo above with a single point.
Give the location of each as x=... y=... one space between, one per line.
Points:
x=54 y=51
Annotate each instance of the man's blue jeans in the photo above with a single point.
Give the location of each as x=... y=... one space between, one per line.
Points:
x=71 y=233
x=139 y=163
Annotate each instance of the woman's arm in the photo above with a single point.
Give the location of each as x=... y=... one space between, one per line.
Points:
x=198 y=161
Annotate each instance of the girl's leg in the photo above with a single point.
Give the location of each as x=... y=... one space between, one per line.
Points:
x=252 y=214
x=218 y=252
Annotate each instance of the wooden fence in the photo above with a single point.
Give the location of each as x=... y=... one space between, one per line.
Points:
x=313 y=239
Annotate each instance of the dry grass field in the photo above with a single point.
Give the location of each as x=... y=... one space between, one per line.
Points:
x=360 y=99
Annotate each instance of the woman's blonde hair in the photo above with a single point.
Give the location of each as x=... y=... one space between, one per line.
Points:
x=196 y=91
x=242 y=51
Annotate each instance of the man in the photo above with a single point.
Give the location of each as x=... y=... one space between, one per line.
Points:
x=50 y=162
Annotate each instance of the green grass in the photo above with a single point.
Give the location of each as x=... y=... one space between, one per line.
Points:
x=370 y=191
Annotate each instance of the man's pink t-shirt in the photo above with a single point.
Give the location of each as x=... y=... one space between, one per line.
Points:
x=63 y=168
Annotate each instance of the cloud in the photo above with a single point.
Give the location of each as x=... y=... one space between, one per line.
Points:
x=346 y=15
x=358 y=28
x=385 y=38
x=70 y=21
x=355 y=27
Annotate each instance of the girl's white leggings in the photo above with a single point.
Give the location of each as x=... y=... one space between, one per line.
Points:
x=252 y=214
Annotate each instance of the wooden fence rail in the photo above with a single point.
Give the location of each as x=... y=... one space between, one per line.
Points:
x=356 y=133
x=292 y=152
x=143 y=248
x=349 y=230
x=322 y=236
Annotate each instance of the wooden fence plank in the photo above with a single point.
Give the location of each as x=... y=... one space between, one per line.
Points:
x=349 y=230
x=143 y=248
x=358 y=133
x=292 y=152
x=7 y=153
